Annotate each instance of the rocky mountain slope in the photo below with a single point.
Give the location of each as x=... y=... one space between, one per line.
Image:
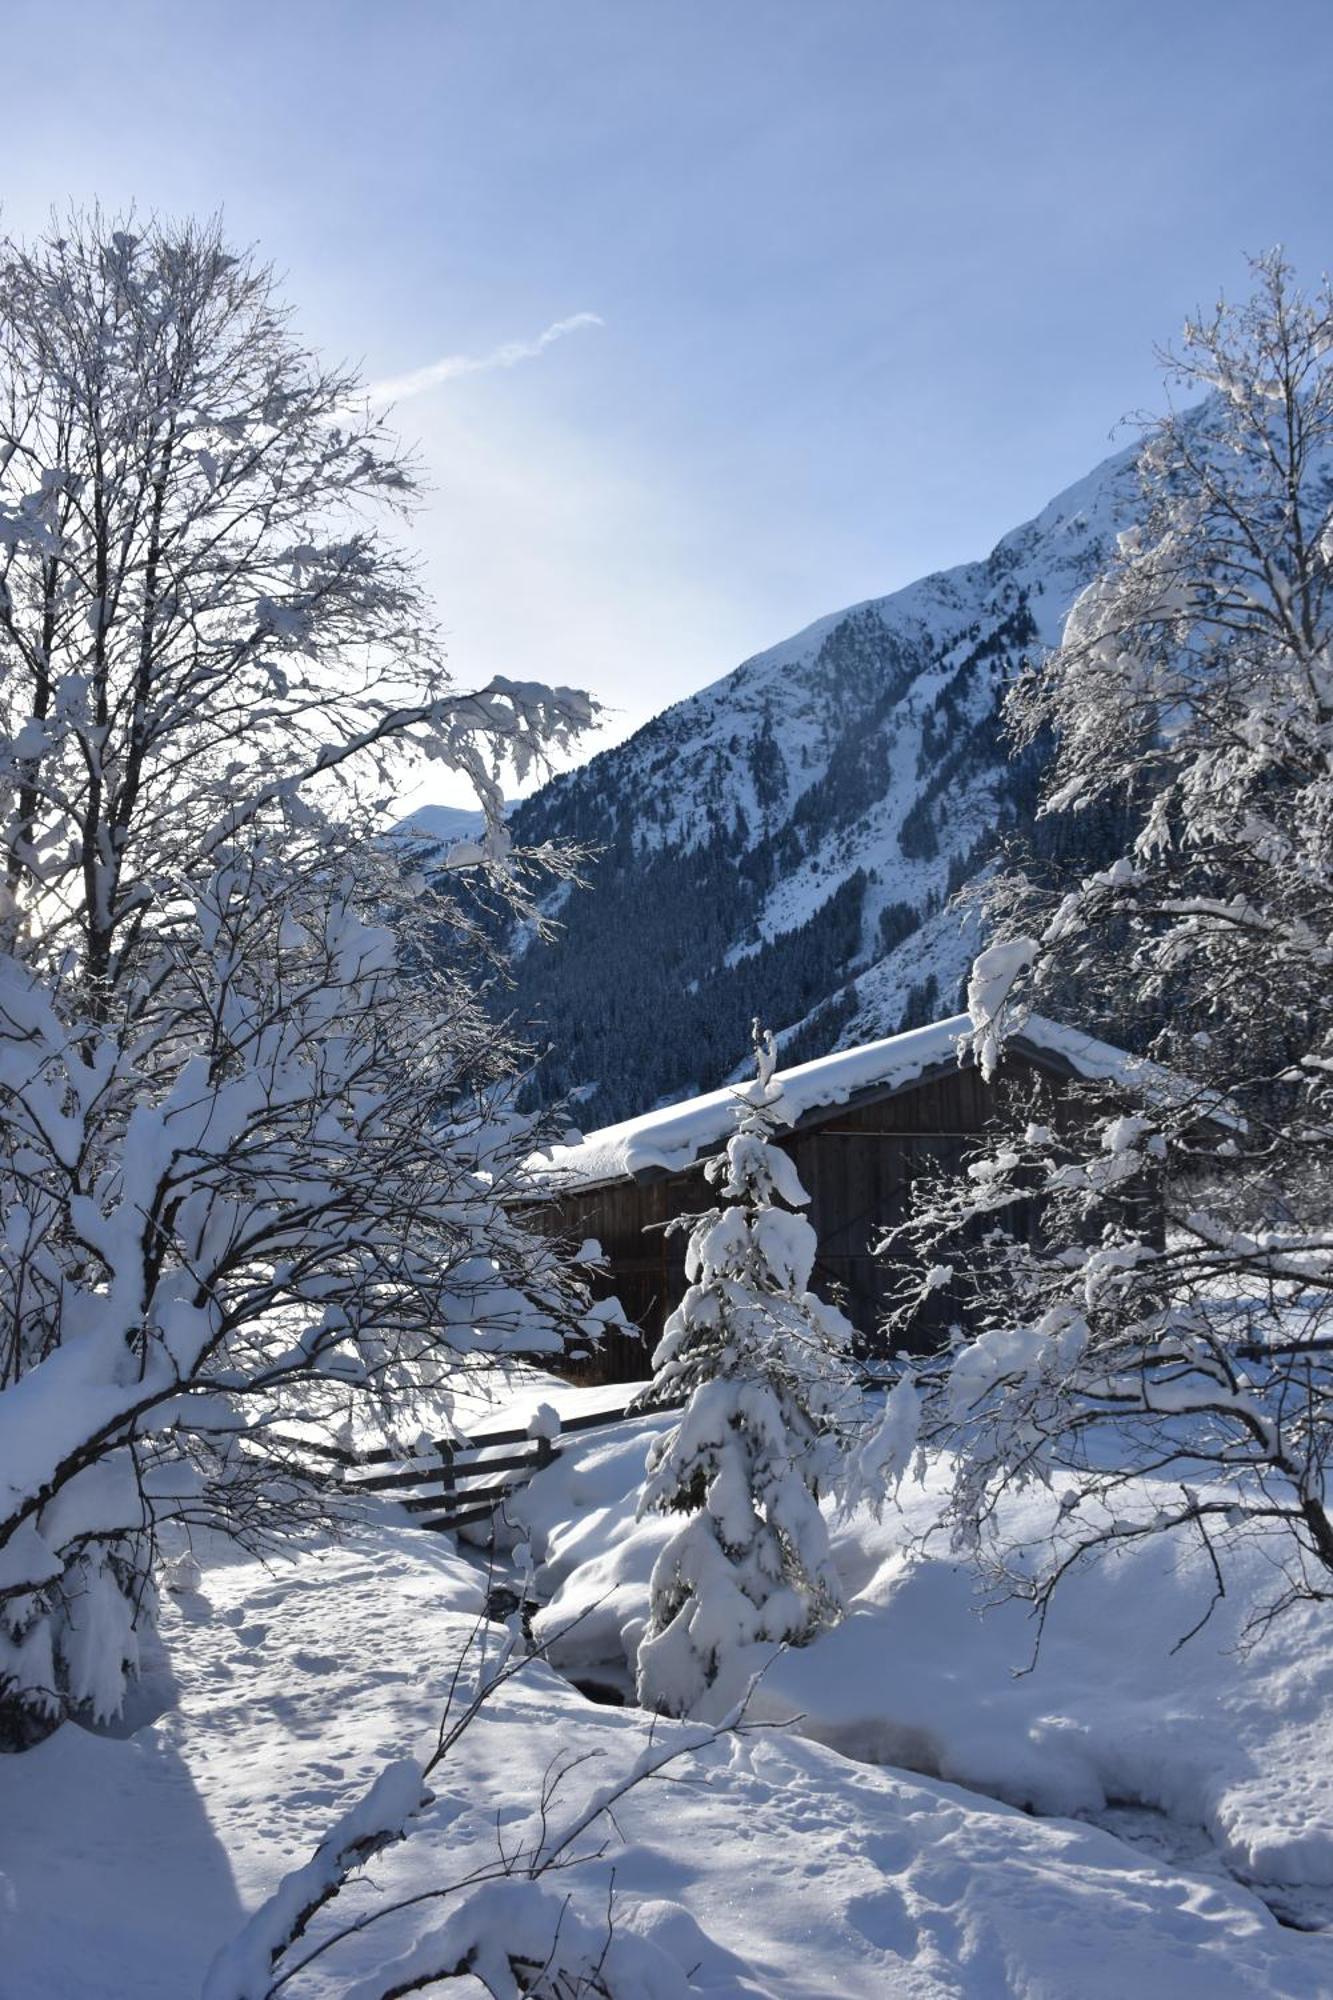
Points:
x=786 y=841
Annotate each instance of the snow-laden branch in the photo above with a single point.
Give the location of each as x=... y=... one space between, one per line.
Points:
x=1138 y=1277
x=256 y=1128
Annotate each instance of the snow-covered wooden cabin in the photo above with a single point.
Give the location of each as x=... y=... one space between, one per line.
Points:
x=865 y=1121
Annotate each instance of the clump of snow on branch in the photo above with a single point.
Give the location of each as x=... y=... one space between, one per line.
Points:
x=992 y=977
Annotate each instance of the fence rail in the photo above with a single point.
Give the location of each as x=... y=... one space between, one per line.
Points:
x=439 y=1483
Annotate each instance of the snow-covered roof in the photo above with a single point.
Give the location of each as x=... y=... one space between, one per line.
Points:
x=675 y=1135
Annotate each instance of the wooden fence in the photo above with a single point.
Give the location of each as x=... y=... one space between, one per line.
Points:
x=456 y=1481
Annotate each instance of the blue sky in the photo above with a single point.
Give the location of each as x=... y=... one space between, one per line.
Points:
x=856 y=285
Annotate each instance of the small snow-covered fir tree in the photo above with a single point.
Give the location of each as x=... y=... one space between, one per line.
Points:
x=765 y=1365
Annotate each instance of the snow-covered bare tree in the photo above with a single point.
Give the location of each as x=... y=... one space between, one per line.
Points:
x=251 y=1156
x=1181 y=1289
x=766 y=1367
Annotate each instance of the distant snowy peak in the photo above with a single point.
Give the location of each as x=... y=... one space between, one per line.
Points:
x=441 y=825
x=786 y=840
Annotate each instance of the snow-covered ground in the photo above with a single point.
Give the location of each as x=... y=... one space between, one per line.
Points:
x=1217 y=1748
x=771 y=1866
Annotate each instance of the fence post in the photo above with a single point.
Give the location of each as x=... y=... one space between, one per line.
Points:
x=448 y=1477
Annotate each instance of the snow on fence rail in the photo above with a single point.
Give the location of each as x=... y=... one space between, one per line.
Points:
x=438 y=1483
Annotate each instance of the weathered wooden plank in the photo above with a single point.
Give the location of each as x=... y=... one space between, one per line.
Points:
x=424 y=1503
x=538 y=1453
x=384 y=1482
x=446 y=1523
x=423 y=1473
x=489 y=1438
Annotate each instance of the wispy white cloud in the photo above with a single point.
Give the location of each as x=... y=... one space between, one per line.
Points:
x=397 y=388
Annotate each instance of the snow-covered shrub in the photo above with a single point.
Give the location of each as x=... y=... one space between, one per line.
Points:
x=764 y=1364
x=1175 y=1315
x=252 y=1162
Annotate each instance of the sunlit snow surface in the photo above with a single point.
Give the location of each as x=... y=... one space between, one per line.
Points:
x=1214 y=1740
x=776 y=1867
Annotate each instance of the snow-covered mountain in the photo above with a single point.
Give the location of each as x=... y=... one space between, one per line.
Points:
x=441 y=824
x=785 y=842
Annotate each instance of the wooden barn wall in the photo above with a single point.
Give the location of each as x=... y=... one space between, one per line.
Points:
x=856 y=1167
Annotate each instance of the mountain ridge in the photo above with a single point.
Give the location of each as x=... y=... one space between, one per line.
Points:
x=786 y=840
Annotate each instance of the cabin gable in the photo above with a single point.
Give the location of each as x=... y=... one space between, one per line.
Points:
x=857 y=1161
